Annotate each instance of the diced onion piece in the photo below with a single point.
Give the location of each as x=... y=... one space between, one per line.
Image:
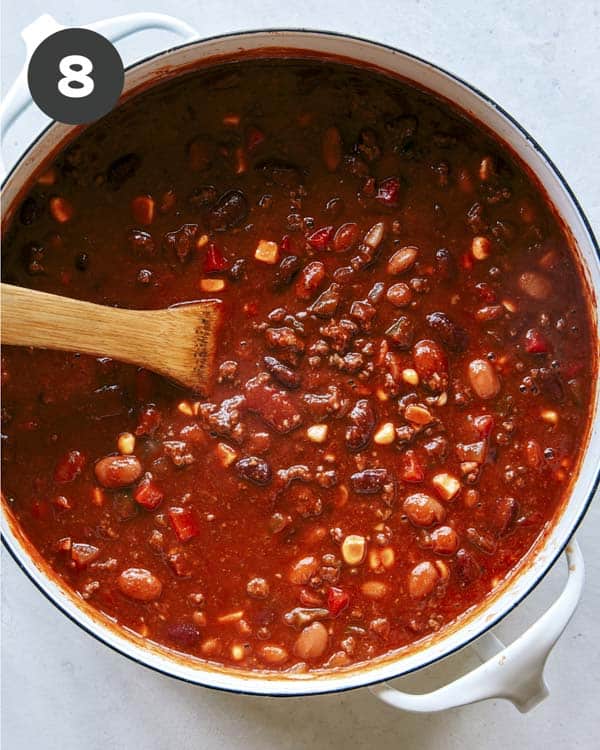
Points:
x=212 y=285
x=317 y=433
x=446 y=485
x=267 y=252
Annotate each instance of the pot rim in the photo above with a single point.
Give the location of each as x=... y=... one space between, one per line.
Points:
x=317 y=681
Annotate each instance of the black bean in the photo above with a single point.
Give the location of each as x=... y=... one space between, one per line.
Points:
x=254 y=469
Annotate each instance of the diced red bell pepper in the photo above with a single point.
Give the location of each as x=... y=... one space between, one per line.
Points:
x=184 y=522
x=388 y=191
x=69 y=467
x=320 y=238
x=254 y=137
x=147 y=493
x=535 y=342
x=337 y=600
x=214 y=261
x=412 y=468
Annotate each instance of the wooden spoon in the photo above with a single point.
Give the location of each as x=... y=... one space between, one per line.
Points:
x=178 y=342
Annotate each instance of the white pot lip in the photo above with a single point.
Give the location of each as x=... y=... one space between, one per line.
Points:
x=318 y=686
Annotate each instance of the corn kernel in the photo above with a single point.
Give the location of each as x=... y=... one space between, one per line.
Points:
x=410 y=376
x=550 y=416
x=237 y=652
x=381 y=395
x=241 y=163
x=126 y=443
x=201 y=241
x=487 y=169
x=317 y=433
x=443 y=569
x=446 y=485
x=185 y=408
x=210 y=646
x=212 y=285
x=354 y=548
x=226 y=454
x=388 y=557
x=267 y=252
x=442 y=399
x=480 y=248
x=509 y=305
x=232 y=120
x=374 y=589
x=418 y=414
x=385 y=435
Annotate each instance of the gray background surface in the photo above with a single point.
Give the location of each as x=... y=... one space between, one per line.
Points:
x=63 y=690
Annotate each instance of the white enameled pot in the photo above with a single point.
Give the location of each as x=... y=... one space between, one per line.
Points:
x=514 y=672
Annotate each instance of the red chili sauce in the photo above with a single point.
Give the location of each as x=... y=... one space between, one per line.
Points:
x=404 y=371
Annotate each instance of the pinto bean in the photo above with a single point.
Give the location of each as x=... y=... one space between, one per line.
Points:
x=422 y=580
x=444 y=540
x=431 y=365
x=402 y=260
x=312 y=642
x=118 y=471
x=535 y=285
x=423 y=510
x=139 y=584
x=310 y=279
x=303 y=570
x=399 y=295
x=483 y=379
x=273 y=654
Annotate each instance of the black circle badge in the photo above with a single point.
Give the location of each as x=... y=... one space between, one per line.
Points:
x=75 y=76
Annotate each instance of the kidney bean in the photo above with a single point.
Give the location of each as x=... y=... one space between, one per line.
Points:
x=139 y=584
x=184 y=634
x=445 y=264
x=422 y=580
x=450 y=334
x=444 y=540
x=346 y=237
x=431 y=365
x=362 y=424
x=312 y=642
x=254 y=469
x=320 y=238
x=466 y=567
x=310 y=279
x=400 y=295
x=423 y=510
x=283 y=374
x=122 y=169
x=505 y=513
x=181 y=241
x=369 y=481
x=288 y=268
x=483 y=379
x=402 y=260
x=230 y=210
x=118 y=471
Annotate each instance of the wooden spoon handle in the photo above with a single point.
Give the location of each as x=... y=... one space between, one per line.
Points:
x=31 y=318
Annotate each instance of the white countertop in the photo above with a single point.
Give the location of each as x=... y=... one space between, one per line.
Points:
x=62 y=690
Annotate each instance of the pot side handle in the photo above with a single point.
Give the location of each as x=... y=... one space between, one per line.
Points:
x=514 y=672
x=18 y=97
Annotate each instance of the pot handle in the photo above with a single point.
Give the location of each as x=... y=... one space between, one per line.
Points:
x=18 y=97
x=514 y=672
